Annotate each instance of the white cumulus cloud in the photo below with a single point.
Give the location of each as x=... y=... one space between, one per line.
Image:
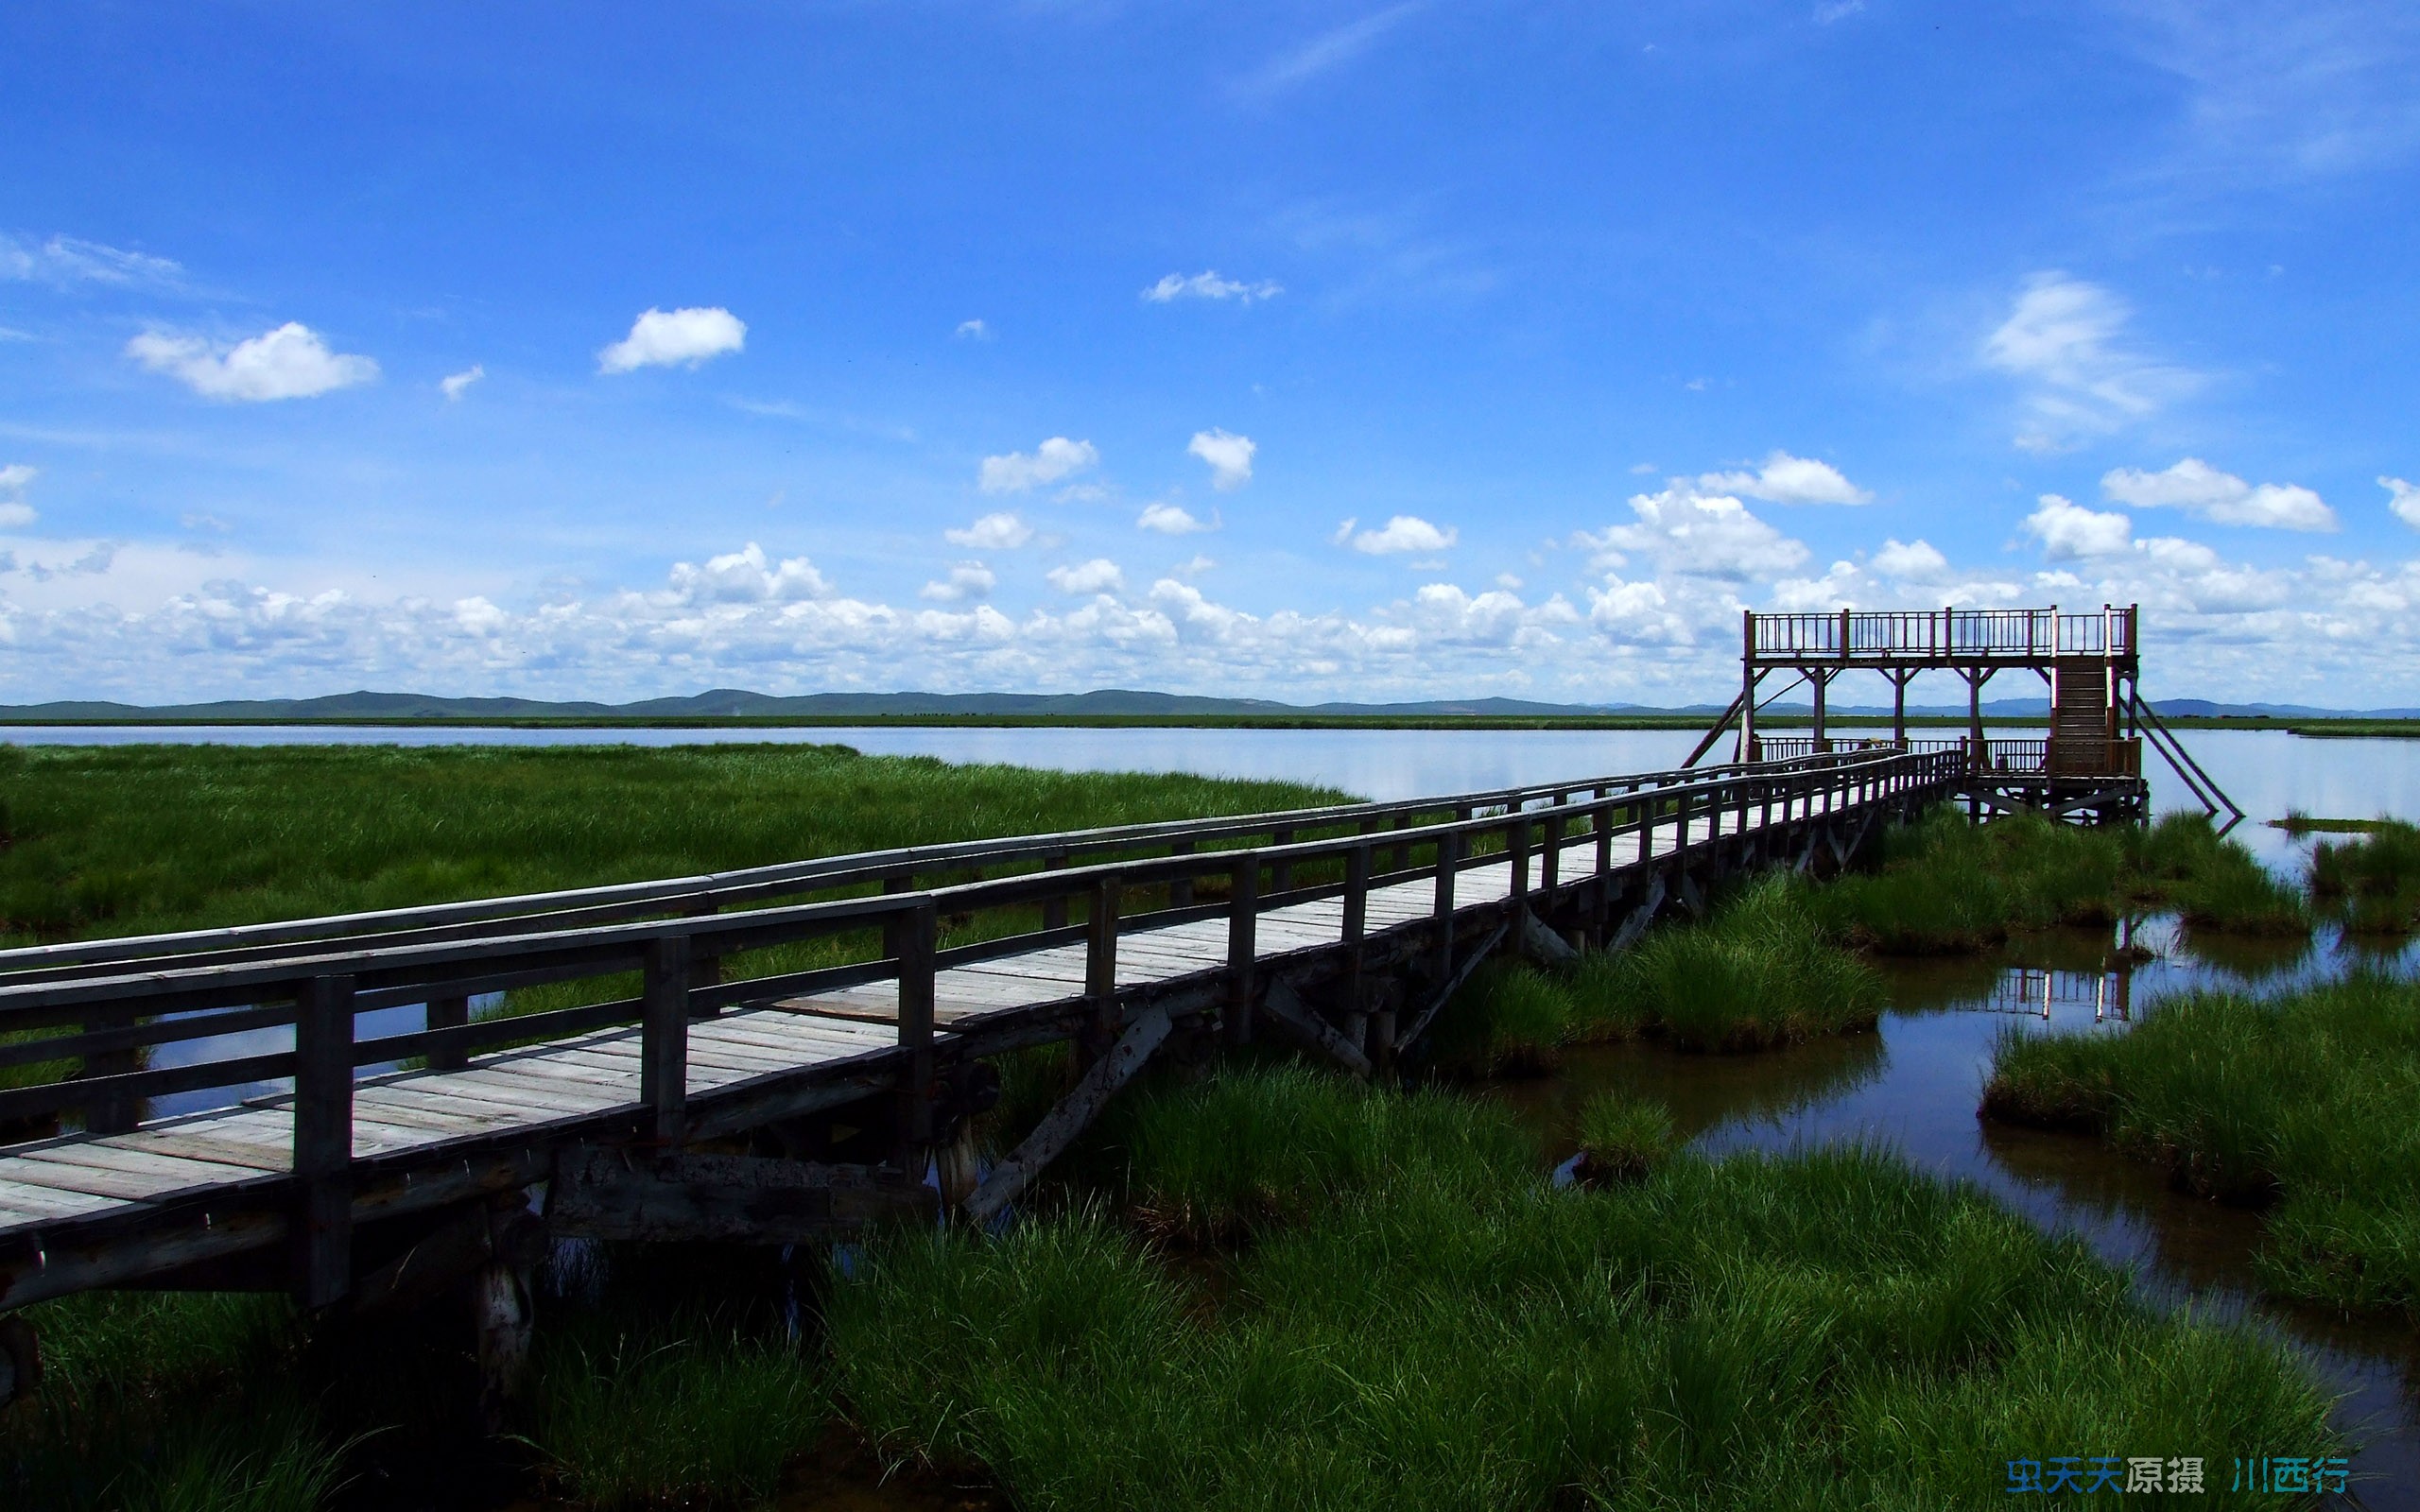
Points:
x=1003 y=531
x=1173 y=519
x=1209 y=285
x=1787 y=479
x=2197 y=487
x=748 y=577
x=1402 y=534
x=455 y=383
x=1229 y=456
x=1914 y=561
x=1696 y=534
x=290 y=362
x=967 y=580
x=2070 y=532
x=670 y=338
x=1098 y=576
x=2404 y=499
x=1055 y=459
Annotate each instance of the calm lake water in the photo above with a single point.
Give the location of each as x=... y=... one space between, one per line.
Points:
x=1913 y=1085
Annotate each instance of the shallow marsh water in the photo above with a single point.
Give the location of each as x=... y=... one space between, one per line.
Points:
x=1914 y=1085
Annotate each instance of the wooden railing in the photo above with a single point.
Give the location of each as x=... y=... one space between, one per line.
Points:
x=2063 y=756
x=1947 y=635
x=103 y=1015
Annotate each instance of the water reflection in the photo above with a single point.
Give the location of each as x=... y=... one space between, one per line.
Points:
x=1915 y=1084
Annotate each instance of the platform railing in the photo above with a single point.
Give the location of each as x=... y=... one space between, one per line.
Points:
x=1947 y=634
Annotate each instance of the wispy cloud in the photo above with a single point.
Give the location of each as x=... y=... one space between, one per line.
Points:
x=2297 y=89
x=1329 y=50
x=456 y=385
x=66 y=260
x=973 y=331
x=1207 y=284
x=1003 y=531
x=2063 y=340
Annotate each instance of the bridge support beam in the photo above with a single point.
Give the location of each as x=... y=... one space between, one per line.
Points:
x=1075 y=1112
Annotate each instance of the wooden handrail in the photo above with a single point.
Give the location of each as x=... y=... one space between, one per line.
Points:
x=664 y=951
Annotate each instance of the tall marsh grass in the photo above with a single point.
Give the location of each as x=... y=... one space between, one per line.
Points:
x=2302 y=1103
x=1825 y=1330
x=131 y=839
x=677 y=1410
x=1757 y=971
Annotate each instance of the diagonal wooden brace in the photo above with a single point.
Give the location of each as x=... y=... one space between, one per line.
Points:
x=1287 y=1010
x=1060 y=1127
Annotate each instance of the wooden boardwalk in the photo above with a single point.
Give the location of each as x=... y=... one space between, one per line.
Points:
x=852 y=1014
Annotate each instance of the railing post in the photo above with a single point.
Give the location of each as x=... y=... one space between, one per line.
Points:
x=1181 y=890
x=919 y=936
x=1449 y=851
x=323 y=1139
x=664 y=1039
x=451 y=1011
x=1600 y=909
x=1243 y=950
x=1550 y=855
x=111 y=1112
x=1281 y=873
x=1400 y=856
x=1357 y=918
x=1100 y=963
x=1054 y=909
x=1517 y=842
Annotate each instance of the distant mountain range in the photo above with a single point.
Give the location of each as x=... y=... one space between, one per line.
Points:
x=735 y=703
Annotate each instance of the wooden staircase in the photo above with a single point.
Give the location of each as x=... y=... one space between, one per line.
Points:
x=2083 y=728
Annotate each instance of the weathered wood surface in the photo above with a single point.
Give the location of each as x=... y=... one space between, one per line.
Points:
x=783 y=1054
x=636 y=1194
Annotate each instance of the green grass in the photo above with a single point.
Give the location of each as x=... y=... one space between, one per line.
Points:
x=160 y=1402
x=2300 y=1103
x=1757 y=971
x=1623 y=1137
x=1248 y=1147
x=1826 y=1329
x=2372 y=882
x=133 y=839
x=683 y=1410
x=1946 y=886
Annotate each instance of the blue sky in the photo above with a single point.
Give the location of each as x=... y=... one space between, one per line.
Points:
x=1299 y=352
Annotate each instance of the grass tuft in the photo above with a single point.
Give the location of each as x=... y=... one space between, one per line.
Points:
x=1622 y=1138
x=2373 y=882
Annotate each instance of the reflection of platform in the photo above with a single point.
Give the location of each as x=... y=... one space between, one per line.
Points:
x=2036 y=994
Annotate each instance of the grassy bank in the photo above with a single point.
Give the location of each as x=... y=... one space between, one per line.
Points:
x=1827 y=1329
x=1948 y=886
x=2299 y=1104
x=116 y=841
x=1758 y=972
